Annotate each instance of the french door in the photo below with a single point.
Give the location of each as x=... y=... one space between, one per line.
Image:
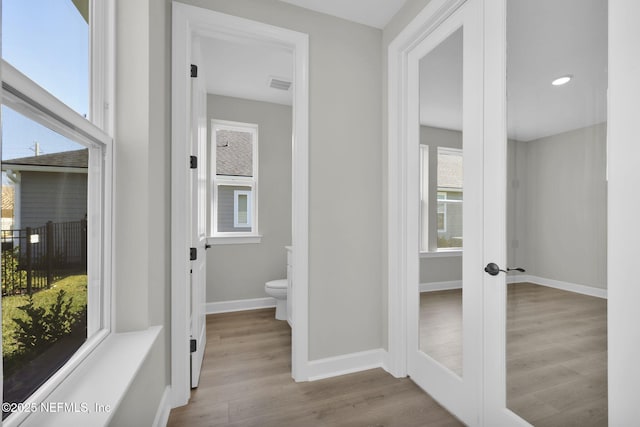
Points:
x=506 y=194
x=444 y=323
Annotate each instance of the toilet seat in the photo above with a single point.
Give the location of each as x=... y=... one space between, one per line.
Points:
x=276 y=284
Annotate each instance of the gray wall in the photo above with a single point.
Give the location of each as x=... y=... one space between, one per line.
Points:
x=345 y=225
x=52 y=196
x=142 y=195
x=558 y=191
x=240 y=271
x=440 y=269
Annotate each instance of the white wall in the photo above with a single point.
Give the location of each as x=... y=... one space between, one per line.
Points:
x=240 y=271
x=624 y=210
x=558 y=203
x=345 y=275
x=142 y=195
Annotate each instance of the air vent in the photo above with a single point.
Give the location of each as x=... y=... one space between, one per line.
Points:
x=279 y=83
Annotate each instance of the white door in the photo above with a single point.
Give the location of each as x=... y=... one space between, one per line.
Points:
x=198 y=184
x=545 y=151
x=444 y=321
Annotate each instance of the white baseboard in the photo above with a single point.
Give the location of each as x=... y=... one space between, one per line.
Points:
x=164 y=408
x=557 y=284
x=240 y=305
x=440 y=286
x=346 y=364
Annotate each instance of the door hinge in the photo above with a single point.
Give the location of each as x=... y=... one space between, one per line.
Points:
x=192 y=345
x=193 y=254
x=194 y=70
x=193 y=162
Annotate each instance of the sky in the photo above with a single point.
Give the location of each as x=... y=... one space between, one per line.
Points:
x=48 y=41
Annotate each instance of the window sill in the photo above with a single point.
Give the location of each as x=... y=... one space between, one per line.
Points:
x=443 y=253
x=234 y=240
x=92 y=392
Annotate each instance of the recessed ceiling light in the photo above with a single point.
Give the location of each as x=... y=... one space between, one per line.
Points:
x=562 y=80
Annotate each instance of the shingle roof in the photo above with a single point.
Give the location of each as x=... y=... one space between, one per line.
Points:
x=8 y=197
x=70 y=159
x=234 y=153
x=449 y=171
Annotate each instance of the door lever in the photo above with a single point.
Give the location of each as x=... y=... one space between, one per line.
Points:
x=493 y=269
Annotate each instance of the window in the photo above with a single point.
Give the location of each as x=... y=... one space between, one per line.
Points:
x=234 y=173
x=444 y=188
x=55 y=207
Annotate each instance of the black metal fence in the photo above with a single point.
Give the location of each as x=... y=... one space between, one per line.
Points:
x=35 y=257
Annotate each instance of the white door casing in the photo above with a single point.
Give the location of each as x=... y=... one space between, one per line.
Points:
x=190 y=21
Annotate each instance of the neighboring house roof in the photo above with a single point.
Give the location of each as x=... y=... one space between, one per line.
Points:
x=78 y=159
x=449 y=171
x=234 y=151
x=8 y=200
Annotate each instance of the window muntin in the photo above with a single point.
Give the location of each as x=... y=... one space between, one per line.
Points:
x=234 y=178
x=32 y=112
x=48 y=41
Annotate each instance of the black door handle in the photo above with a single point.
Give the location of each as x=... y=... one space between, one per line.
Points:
x=493 y=269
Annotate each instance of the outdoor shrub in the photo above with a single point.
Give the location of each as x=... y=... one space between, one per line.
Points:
x=31 y=334
x=44 y=327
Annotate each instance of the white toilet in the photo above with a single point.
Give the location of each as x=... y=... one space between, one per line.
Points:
x=278 y=290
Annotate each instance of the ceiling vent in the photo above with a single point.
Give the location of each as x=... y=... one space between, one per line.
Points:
x=279 y=83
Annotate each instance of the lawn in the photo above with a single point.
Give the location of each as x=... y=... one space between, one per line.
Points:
x=74 y=286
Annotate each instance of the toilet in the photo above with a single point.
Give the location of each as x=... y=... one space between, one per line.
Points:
x=278 y=290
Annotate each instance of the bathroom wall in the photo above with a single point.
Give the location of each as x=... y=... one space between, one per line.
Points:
x=558 y=202
x=345 y=180
x=239 y=271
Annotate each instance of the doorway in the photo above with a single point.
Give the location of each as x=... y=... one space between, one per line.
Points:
x=470 y=367
x=190 y=23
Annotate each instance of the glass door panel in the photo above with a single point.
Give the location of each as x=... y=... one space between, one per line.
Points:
x=441 y=140
x=556 y=311
x=445 y=169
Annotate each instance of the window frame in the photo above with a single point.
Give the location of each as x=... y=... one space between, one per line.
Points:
x=35 y=103
x=429 y=191
x=236 y=209
x=232 y=237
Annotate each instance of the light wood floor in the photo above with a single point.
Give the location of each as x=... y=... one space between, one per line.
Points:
x=556 y=351
x=246 y=381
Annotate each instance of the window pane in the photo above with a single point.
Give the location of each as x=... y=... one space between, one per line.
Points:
x=48 y=41
x=449 y=198
x=44 y=253
x=242 y=209
x=226 y=208
x=234 y=153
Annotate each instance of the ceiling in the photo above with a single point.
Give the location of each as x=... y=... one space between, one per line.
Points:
x=243 y=69
x=545 y=39
x=374 y=13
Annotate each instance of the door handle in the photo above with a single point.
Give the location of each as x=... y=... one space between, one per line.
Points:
x=493 y=269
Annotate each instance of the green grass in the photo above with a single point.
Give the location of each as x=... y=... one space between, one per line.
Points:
x=74 y=286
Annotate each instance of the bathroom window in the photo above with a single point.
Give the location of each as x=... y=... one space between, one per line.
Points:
x=234 y=179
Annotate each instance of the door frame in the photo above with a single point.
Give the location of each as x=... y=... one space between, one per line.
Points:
x=461 y=396
x=189 y=21
x=401 y=267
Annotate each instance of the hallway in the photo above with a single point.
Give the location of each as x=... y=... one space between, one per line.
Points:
x=246 y=381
